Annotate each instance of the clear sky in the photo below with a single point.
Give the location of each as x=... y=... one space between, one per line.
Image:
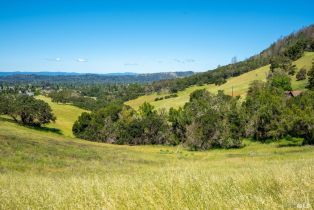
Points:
x=141 y=36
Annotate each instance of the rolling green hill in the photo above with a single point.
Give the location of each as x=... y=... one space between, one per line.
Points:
x=66 y=115
x=239 y=85
x=42 y=170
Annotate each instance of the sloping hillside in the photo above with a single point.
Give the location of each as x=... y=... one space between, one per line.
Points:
x=238 y=85
x=66 y=115
x=42 y=170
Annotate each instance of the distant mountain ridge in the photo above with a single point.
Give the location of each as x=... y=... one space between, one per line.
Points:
x=83 y=78
x=44 y=73
x=57 y=73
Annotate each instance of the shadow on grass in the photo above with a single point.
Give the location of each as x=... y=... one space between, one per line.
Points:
x=7 y=119
x=46 y=129
x=38 y=128
x=290 y=142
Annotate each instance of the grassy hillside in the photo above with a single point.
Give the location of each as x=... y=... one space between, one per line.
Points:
x=66 y=115
x=239 y=84
x=40 y=170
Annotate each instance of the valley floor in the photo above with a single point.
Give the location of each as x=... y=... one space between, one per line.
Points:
x=44 y=170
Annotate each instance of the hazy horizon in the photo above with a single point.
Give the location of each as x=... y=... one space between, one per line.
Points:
x=136 y=36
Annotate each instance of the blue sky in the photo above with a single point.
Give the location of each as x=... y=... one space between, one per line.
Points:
x=141 y=36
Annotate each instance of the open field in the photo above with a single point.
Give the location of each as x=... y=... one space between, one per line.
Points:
x=239 y=84
x=66 y=115
x=40 y=170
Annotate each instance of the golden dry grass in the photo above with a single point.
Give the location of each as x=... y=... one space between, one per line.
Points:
x=40 y=170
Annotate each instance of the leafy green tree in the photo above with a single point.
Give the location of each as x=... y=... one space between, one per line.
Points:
x=214 y=121
x=301 y=116
x=156 y=129
x=178 y=120
x=282 y=63
x=296 y=50
x=6 y=103
x=146 y=110
x=129 y=128
x=280 y=79
x=32 y=111
x=81 y=126
x=301 y=75
x=26 y=109
x=99 y=125
x=263 y=109
x=145 y=127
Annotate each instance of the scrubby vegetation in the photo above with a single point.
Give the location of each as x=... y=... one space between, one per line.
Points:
x=206 y=121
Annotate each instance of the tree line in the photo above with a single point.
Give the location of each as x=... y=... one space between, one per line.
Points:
x=94 y=97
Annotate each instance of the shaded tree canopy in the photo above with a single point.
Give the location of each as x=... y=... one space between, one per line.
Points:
x=26 y=109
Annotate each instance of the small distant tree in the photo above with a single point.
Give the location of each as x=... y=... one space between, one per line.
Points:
x=311 y=78
x=234 y=60
x=220 y=81
x=146 y=109
x=301 y=75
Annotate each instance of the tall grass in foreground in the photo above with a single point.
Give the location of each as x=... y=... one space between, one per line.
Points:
x=40 y=170
x=189 y=187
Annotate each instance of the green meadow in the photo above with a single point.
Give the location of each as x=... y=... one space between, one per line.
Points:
x=238 y=85
x=66 y=115
x=44 y=170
